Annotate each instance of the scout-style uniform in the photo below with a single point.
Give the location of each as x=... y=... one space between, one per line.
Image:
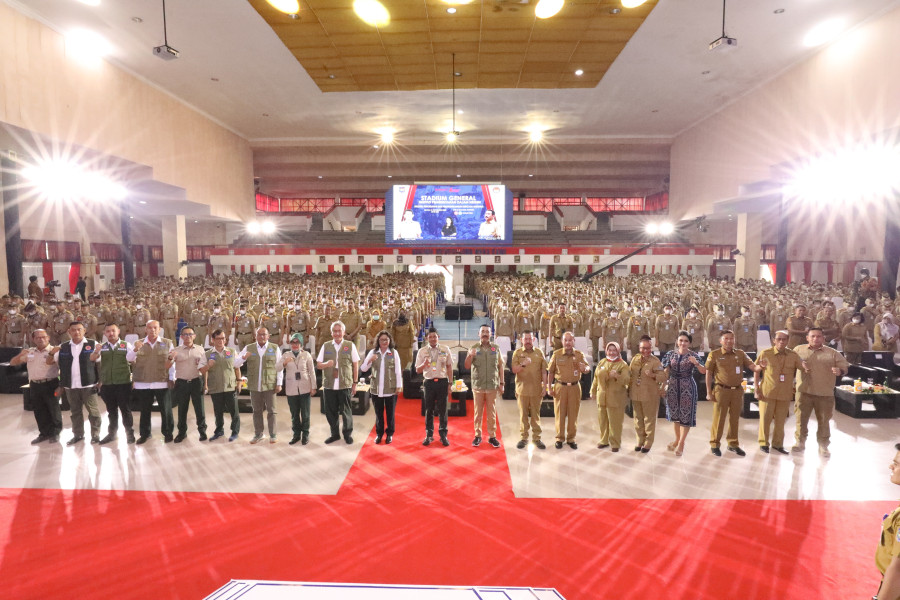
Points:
x=727 y=371
x=610 y=390
x=647 y=381
x=775 y=392
x=565 y=370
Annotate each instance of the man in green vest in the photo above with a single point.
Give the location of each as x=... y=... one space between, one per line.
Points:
x=222 y=381
x=111 y=356
x=153 y=374
x=264 y=376
x=486 y=362
x=339 y=361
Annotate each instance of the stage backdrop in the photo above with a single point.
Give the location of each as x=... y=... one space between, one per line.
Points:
x=448 y=214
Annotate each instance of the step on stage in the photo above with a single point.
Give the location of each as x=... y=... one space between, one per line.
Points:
x=278 y=590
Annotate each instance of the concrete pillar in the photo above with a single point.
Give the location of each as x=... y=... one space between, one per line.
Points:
x=174 y=246
x=749 y=242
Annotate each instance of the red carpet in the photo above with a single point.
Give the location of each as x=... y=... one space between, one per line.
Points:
x=416 y=515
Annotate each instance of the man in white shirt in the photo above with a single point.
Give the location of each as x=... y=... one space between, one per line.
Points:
x=435 y=364
x=78 y=377
x=408 y=229
x=339 y=361
x=188 y=359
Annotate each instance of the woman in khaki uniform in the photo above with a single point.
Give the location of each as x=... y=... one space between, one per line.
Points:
x=854 y=339
x=610 y=389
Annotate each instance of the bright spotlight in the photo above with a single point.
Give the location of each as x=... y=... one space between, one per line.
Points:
x=268 y=227
x=536 y=135
x=848 y=174
x=824 y=32
x=632 y=3
x=290 y=7
x=451 y=137
x=387 y=135
x=666 y=228
x=372 y=12
x=652 y=228
x=547 y=8
x=86 y=45
x=253 y=227
x=58 y=180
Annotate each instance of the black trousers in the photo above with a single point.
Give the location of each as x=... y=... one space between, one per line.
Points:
x=436 y=402
x=162 y=397
x=189 y=392
x=117 y=397
x=226 y=402
x=337 y=403
x=47 y=413
x=384 y=413
x=299 y=406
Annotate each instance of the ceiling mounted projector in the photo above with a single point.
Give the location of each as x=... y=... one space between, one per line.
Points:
x=165 y=52
x=723 y=41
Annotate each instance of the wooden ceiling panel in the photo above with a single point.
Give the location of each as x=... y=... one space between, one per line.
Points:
x=498 y=43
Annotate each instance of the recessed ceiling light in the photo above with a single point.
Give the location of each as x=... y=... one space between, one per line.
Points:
x=459 y=112
x=131 y=217
x=778 y=11
x=331 y=76
x=615 y=10
x=547 y=8
x=375 y=146
x=632 y=3
x=457 y=74
x=372 y=12
x=579 y=72
x=196 y=221
x=294 y=16
x=531 y=174
x=142 y=202
x=458 y=175
x=286 y=6
x=824 y=32
x=320 y=176
x=137 y=19
x=451 y=10
x=390 y=176
x=90 y=2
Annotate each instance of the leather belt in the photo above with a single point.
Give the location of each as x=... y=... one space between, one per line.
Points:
x=567 y=383
x=437 y=379
x=44 y=380
x=730 y=387
x=188 y=380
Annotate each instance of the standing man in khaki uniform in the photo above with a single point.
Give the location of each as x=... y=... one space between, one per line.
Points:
x=815 y=390
x=716 y=325
x=613 y=328
x=564 y=371
x=828 y=323
x=486 y=362
x=610 y=390
x=530 y=368
x=693 y=324
x=595 y=326
x=648 y=379
x=168 y=317
x=352 y=320
x=189 y=358
x=745 y=331
x=560 y=323
x=637 y=327
x=504 y=323
x=724 y=374
x=435 y=364
x=666 y=329
x=526 y=321
x=271 y=320
x=61 y=321
x=404 y=334
x=218 y=320
x=244 y=327
x=854 y=339
x=297 y=321
x=798 y=326
x=323 y=327
x=140 y=317
x=776 y=390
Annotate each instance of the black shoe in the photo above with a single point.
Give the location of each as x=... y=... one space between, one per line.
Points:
x=764 y=449
x=232 y=437
x=780 y=449
x=348 y=439
x=216 y=436
x=294 y=440
x=109 y=438
x=53 y=439
x=737 y=450
x=637 y=448
x=332 y=439
x=645 y=450
x=716 y=451
x=615 y=449
x=444 y=440
x=573 y=445
x=143 y=439
x=540 y=445
x=602 y=446
x=95 y=439
x=168 y=439
x=203 y=437
x=427 y=441
x=558 y=445
x=521 y=444
x=304 y=439
x=476 y=441
x=39 y=439
x=378 y=439
x=180 y=438
x=494 y=442
x=75 y=440
x=389 y=439
x=129 y=437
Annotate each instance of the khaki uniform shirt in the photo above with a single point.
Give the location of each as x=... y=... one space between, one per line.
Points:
x=820 y=380
x=188 y=361
x=727 y=368
x=530 y=380
x=566 y=368
x=889 y=544
x=647 y=378
x=560 y=325
x=436 y=360
x=608 y=389
x=797 y=323
x=779 y=373
x=667 y=328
